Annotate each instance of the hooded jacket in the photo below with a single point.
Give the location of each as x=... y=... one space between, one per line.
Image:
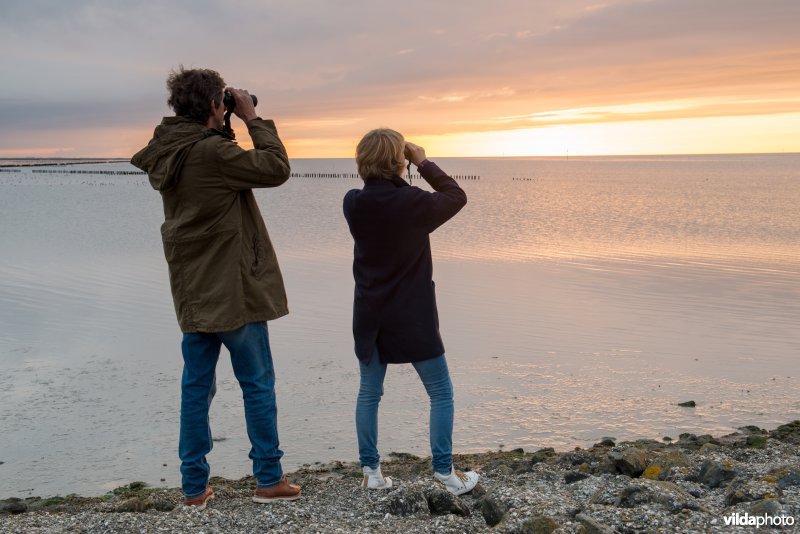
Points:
x=222 y=268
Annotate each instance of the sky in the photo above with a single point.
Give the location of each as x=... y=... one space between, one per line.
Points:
x=462 y=78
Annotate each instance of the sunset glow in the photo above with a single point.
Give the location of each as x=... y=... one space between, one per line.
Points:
x=582 y=78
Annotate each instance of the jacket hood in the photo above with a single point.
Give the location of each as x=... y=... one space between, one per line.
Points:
x=163 y=157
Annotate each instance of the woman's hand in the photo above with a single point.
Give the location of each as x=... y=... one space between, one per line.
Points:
x=414 y=153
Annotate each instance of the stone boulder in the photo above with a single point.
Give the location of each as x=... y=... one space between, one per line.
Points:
x=407 y=501
x=770 y=507
x=631 y=461
x=542 y=455
x=715 y=474
x=670 y=465
x=493 y=509
x=750 y=491
x=13 y=505
x=692 y=442
x=442 y=502
x=574 y=476
x=643 y=491
x=788 y=433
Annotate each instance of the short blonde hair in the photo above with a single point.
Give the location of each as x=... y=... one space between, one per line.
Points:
x=377 y=154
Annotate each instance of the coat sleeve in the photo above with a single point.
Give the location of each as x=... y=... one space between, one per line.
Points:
x=266 y=165
x=434 y=209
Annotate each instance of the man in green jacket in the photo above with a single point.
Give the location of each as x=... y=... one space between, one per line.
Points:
x=223 y=271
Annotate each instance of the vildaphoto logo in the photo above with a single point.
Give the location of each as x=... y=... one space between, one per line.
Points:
x=758 y=521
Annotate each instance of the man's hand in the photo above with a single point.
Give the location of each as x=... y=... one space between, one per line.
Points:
x=413 y=153
x=244 y=109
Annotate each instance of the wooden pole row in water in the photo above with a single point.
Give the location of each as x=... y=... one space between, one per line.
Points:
x=524 y=179
x=62 y=171
x=293 y=175
x=352 y=175
x=322 y=175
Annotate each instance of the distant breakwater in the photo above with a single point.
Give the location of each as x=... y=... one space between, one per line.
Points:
x=350 y=175
x=83 y=171
x=316 y=175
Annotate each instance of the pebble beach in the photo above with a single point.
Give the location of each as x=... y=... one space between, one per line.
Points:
x=741 y=482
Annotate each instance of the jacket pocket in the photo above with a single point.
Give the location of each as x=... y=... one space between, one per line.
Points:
x=205 y=276
x=260 y=257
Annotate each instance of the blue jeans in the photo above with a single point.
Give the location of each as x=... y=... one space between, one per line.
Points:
x=251 y=360
x=436 y=379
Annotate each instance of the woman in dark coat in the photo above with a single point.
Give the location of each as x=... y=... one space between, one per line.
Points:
x=394 y=310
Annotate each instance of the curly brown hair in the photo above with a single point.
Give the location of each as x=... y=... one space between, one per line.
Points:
x=190 y=91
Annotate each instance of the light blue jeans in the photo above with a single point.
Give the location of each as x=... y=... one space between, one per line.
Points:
x=251 y=360
x=436 y=379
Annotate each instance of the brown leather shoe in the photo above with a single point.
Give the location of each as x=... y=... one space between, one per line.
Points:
x=201 y=500
x=282 y=491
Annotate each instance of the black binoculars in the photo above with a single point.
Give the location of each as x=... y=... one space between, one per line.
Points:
x=230 y=102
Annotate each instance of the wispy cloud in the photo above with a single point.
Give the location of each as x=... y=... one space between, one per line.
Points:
x=87 y=67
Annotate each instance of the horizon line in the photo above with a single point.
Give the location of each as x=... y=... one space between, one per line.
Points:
x=570 y=156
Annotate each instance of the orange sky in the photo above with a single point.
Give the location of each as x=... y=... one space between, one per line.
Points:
x=519 y=78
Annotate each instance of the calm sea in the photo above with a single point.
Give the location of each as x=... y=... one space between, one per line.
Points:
x=579 y=298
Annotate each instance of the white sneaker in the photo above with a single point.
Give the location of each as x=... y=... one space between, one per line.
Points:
x=458 y=482
x=373 y=479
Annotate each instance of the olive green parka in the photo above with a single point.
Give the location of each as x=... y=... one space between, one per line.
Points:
x=222 y=268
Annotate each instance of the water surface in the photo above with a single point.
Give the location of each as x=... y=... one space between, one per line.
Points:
x=578 y=298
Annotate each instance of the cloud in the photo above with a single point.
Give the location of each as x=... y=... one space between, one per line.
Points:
x=428 y=67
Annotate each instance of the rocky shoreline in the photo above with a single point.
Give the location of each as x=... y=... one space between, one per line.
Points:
x=695 y=484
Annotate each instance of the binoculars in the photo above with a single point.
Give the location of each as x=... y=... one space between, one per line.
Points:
x=230 y=102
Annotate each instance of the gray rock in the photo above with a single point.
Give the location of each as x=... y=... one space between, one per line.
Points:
x=575 y=458
x=542 y=455
x=631 y=461
x=649 y=444
x=442 y=502
x=769 y=507
x=161 y=504
x=690 y=441
x=134 y=504
x=708 y=448
x=493 y=509
x=574 y=476
x=664 y=494
x=670 y=461
x=789 y=433
x=643 y=492
x=593 y=526
x=508 y=467
x=750 y=491
x=756 y=441
x=502 y=469
x=606 y=465
x=792 y=479
x=714 y=474
x=13 y=505
x=539 y=524
x=632 y=496
x=407 y=501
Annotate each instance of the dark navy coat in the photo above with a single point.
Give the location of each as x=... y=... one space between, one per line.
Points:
x=394 y=308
